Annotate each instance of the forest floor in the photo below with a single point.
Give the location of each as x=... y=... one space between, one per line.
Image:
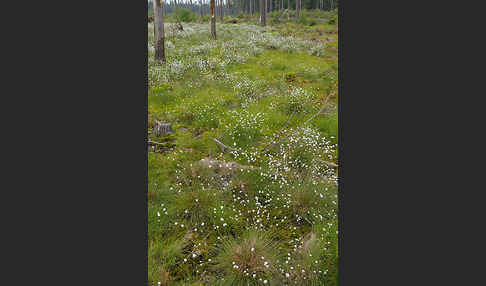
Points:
x=262 y=209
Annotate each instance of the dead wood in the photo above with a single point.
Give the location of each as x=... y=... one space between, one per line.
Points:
x=162 y=129
x=329 y=164
x=324 y=105
x=150 y=142
x=222 y=165
x=222 y=146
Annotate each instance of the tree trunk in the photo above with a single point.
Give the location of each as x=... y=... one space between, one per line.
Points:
x=221 y=11
x=213 y=20
x=288 y=7
x=159 y=32
x=297 y=10
x=262 y=12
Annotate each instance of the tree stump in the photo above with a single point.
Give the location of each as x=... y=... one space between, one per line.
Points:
x=162 y=129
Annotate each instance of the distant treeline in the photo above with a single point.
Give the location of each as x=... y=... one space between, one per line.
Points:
x=234 y=7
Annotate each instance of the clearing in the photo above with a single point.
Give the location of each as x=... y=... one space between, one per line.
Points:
x=243 y=190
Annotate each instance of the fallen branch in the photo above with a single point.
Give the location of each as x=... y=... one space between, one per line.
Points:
x=222 y=146
x=156 y=143
x=292 y=115
x=160 y=147
x=284 y=125
x=324 y=105
x=330 y=164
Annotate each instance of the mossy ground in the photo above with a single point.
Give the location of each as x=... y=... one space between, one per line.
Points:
x=254 y=96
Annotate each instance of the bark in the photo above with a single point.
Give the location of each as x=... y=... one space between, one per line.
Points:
x=162 y=129
x=288 y=7
x=222 y=146
x=159 y=32
x=262 y=12
x=297 y=10
x=213 y=20
x=221 y=6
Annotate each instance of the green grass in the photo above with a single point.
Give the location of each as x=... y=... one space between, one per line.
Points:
x=253 y=90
